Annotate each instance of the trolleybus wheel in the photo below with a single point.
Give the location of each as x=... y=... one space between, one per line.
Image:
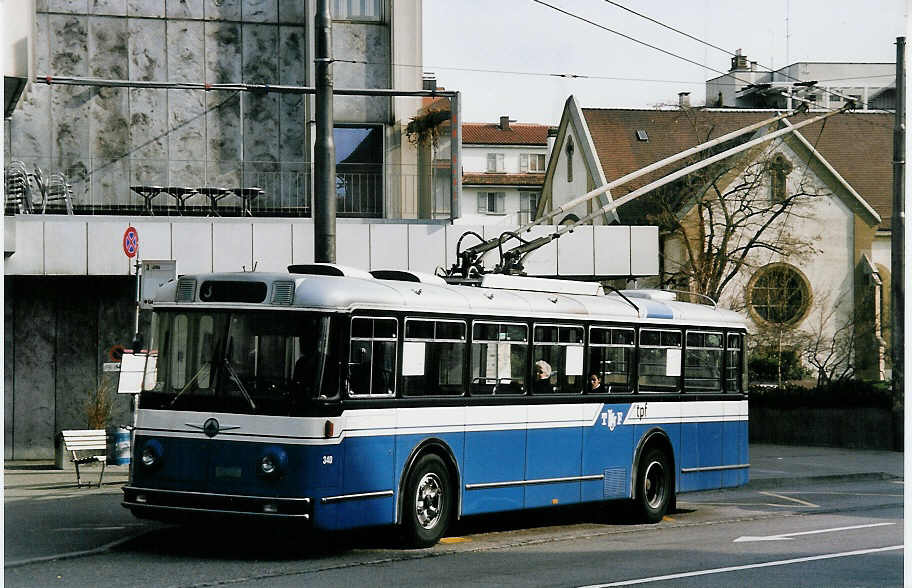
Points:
x=428 y=500
x=654 y=485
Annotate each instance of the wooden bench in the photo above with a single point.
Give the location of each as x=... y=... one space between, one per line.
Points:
x=86 y=446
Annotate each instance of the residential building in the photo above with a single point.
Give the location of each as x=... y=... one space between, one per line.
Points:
x=841 y=281
x=503 y=168
x=826 y=84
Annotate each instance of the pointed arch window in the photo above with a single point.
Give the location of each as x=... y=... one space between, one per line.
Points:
x=779 y=169
x=569 y=151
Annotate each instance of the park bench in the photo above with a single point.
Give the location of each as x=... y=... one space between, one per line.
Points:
x=86 y=446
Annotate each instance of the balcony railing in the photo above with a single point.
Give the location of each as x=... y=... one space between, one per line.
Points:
x=219 y=188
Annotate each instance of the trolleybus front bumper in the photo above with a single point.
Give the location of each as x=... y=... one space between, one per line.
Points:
x=179 y=504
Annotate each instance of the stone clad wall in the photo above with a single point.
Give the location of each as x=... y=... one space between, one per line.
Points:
x=106 y=139
x=57 y=334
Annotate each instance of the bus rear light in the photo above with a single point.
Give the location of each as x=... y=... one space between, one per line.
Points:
x=328 y=429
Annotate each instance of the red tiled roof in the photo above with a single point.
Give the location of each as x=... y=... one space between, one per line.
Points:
x=503 y=179
x=858 y=145
x=516 y=134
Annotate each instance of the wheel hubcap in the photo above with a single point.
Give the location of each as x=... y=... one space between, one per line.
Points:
x=654 y=486
x=428 y=500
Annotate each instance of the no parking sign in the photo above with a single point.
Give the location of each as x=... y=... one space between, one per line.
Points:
x=130 y=242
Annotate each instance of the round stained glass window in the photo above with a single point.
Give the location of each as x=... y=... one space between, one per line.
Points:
x=779 y=294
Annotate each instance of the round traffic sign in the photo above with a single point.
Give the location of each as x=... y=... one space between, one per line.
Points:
x=130 y=242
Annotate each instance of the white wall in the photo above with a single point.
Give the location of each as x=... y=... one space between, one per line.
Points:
x=83 y=245
x=562 y=190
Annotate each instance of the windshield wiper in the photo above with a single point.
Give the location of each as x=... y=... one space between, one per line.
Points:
x=192 y=381
x=234 y=377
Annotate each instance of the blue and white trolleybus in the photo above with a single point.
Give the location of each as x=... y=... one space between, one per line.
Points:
x=341 y=398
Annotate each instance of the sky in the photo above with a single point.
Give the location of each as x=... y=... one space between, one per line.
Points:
x=521 y=41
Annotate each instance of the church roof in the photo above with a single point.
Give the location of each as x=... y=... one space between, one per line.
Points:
x=858 y=145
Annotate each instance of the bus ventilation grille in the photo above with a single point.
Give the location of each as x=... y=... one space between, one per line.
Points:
x=283 y=292
x=186 y=288
x=615 y=483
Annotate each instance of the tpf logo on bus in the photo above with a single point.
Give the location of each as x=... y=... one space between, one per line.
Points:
x=612 y=419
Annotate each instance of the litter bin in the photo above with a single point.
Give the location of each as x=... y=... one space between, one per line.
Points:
x=121 y=446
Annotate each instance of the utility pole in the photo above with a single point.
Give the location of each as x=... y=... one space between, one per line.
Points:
x=324 y=202
x=897 y=228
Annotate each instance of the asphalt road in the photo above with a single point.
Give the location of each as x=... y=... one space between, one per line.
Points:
x=841 y=533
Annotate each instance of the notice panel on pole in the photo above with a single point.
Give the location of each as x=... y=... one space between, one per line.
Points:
x=155 y=273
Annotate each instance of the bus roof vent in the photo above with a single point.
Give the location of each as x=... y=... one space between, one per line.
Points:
x=660 y=295
x=408 y=276
x=329 y=269
x=541 y=285
x=283 y=292
x=186 y=289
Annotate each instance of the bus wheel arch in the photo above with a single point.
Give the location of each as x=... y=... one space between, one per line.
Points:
x=441 y=450
x=654 y=463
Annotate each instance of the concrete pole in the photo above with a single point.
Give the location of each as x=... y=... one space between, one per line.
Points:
x=324 y=202
x=897 y=228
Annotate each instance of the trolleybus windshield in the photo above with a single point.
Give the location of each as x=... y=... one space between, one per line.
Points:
x=253 y=362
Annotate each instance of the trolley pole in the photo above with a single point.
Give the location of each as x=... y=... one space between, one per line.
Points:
x=324 y=202
x=897 y=230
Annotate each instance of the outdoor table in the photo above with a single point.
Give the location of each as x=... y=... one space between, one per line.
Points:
x=214 y=193
x=148 y=193
x=180 y=194
x=247 y=195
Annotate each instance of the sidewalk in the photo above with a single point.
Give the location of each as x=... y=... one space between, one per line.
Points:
x=771 y=465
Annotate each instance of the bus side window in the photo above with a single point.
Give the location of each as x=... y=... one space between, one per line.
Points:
x=433 y=357
x=703 y=362
x=561 y=347
x=499 y=352
x=611 y=358
x=733 y=361
x=660 y=360
x=372 y=357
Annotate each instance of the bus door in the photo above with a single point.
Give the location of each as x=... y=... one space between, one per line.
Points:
x=495 y=438
x=554 y=440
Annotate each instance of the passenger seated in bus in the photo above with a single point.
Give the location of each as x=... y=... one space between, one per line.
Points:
x=595 y=383
x=542 y=383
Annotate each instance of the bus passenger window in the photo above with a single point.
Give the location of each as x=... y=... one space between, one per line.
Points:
x=561 y=348
x=660 y=360
x=499 y=352
x=611 y=358
x=372 y=357
x=703 y=362
x=433 y=357
x=733 y=359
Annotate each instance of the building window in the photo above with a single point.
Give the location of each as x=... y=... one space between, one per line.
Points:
x=359 y=170
x=528 y=206
x=779 y=294
x=491 y=202
x=779 y=169
x=495 y=163
x=532 y=162
x=358 y=10
x=569 y=159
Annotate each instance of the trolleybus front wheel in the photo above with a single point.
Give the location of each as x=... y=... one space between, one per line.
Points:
x=654 y=485
x=428 y=500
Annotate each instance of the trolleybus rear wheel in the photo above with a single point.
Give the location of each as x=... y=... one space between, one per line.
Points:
x=654 y=485
x=428 y=500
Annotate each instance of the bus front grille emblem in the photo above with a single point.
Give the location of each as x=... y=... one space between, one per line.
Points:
x=211 y=427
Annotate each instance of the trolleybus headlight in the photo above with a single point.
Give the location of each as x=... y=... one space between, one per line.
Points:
x=273 y=461
x=151 y=454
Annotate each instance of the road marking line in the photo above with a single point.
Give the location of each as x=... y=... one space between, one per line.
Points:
x=118 y=528
x=737 y=504
x=765 y=564
x=788 y=536
x=798 y=500
x=455 y=540
x=843 y=493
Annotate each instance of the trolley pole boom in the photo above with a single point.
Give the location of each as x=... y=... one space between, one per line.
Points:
x=469 y=257
x=512 y=257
